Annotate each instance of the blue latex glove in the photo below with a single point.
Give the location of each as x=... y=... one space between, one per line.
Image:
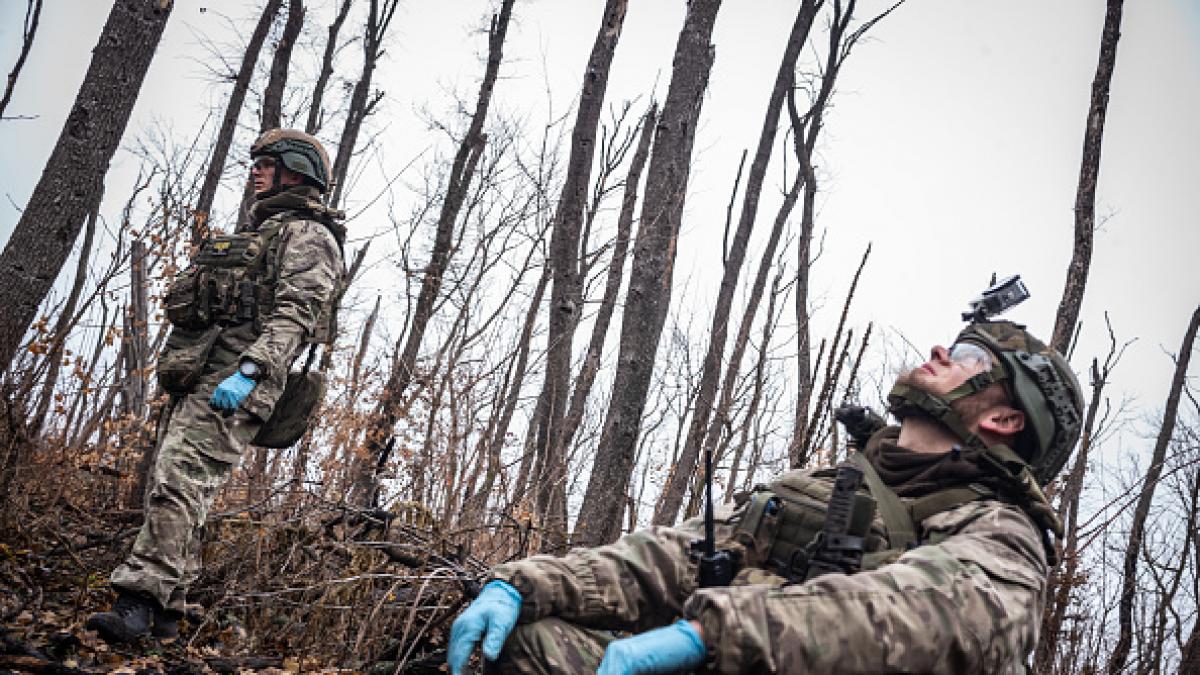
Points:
x=231 y=392
x=491 y=617
x=671 y=649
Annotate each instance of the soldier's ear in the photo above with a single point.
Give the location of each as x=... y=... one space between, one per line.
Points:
x=1002 y=421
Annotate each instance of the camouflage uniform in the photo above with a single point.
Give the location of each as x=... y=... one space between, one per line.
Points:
x=200 y=446
x=971 y=602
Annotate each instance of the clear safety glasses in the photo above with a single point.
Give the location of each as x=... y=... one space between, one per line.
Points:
x=968 y=353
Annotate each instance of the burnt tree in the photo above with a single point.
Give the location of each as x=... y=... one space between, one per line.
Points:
x=220 y=151
x=1089 y=171
x=403 y=368
x=681 y=474
x=649 y=296
x=566 y=282
x=1141 y=512
x=71 y=183
x=33 y=11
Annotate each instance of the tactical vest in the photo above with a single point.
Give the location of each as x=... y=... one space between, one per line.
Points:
x=232 y=280
x=780 y=521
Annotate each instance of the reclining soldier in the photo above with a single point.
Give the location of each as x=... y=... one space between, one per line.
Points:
x=954 y=560
x=241 y=313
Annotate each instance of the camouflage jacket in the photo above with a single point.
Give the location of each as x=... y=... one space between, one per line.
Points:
x=972 y=603
x=309 y=278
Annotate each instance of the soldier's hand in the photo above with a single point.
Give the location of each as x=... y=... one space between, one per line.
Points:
x=231 y=392
x=671 y=649
x=491 y=617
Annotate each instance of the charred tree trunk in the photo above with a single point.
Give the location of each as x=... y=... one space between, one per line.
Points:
x=63 y=327
x=272 y=112
x=649 y=296
x=682 y=473
x=612 y=284
x=1133 y=548
x=361 y=103
x=241 y=84
x=1089 y=171
x=566 y=286
x=71 y=183
x=33 y=12
x=135 y=341
x=461 y=173
x=1064 y=579
x=314 y=109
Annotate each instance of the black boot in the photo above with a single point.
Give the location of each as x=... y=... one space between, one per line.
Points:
x=127 y=621
x=166 y=623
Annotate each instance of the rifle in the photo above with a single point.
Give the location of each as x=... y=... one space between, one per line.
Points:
x=860 y=422
x=835 y=549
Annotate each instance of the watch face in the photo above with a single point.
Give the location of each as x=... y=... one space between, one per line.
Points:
x=248 y=368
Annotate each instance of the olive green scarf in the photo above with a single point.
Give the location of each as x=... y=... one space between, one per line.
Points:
x=305 y=200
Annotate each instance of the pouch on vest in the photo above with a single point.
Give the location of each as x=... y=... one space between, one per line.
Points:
x=293 y=410
x=187 y=301
x=182 y=360
x=783 y=518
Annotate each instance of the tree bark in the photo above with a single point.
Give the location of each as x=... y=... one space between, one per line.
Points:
x=1120 y=653
x=566 y=284
x=71 y=183
x=378 y=19
x=682 y=473
x=649 y=295
x=612 y=284
x=63 y=327
x=33 y=12
x=470 y=149
x=237 y=98
x=313 y=125
x=1089 y=171
x=272 y=112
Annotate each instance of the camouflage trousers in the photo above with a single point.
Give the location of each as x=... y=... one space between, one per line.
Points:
x=187 y=473
x=550 y=646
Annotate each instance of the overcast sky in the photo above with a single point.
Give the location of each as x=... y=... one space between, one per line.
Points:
x=953 y=146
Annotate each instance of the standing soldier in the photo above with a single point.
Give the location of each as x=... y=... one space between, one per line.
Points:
x=241 y=313
x=939 y=566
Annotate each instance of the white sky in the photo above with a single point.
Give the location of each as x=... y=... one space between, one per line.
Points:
x=953 y=146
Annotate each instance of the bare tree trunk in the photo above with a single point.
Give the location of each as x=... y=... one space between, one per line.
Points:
x=649 y=296
x=475 y=503
x=566 y=284
x=612 y=284
x=135 y=342
x=361 y=104
x=241 y=84
x=314 y=109
x=682 y=473
x=272 y=113
x=764 y=350
x=1120 y=653
x=33 y=11
x=63 y=327
x=1063 y=579
x=1089 y=171
x=461 y=172
x=71 y=183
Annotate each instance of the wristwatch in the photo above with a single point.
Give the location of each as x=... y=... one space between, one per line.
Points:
x=250 y=369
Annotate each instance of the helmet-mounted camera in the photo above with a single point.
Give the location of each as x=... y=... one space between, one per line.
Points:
x=997 y=299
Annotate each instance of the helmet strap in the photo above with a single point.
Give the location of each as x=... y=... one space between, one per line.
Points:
x=905 y=400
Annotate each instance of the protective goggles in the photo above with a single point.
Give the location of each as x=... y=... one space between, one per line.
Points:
x=967 y=353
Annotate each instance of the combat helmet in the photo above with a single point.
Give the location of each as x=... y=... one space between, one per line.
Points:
x=297 y=151
x=1036 y=378
x=1041 y=384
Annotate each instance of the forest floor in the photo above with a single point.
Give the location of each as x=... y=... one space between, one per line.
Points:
x=331 y=592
